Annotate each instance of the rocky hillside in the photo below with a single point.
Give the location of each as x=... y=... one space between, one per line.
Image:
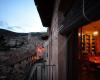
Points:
x=9 y=40
x=15 y=47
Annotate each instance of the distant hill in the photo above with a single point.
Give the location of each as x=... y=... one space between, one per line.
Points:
x=9 y=39
x=14 y=34
x=38 y=33
x=6 y=32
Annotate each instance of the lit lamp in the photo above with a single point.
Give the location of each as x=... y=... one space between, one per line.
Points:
x=95 y=33
x=79 y=34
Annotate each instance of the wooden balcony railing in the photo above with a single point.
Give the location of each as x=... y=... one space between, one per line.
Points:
x=41 y=71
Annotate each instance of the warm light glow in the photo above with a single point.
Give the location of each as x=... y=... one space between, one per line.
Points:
x=79 y=34
x=95 y=33
x=40 y=50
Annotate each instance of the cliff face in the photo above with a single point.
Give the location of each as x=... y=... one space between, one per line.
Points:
x=14 y=47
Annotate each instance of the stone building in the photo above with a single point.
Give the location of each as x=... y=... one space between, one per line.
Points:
x=64 y=18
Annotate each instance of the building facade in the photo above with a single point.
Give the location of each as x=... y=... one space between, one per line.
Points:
x=63 y=19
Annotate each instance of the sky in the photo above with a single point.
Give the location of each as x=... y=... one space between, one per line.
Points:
x=20 y=16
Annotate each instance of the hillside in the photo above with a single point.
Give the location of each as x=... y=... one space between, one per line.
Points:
x=10 y=33
x=15 y=47
x=9 y=39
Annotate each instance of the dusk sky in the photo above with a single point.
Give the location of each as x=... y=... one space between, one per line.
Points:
x=20 y=16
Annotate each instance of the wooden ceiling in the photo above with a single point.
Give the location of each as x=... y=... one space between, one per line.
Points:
x=91 y=27
x=45 y=9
